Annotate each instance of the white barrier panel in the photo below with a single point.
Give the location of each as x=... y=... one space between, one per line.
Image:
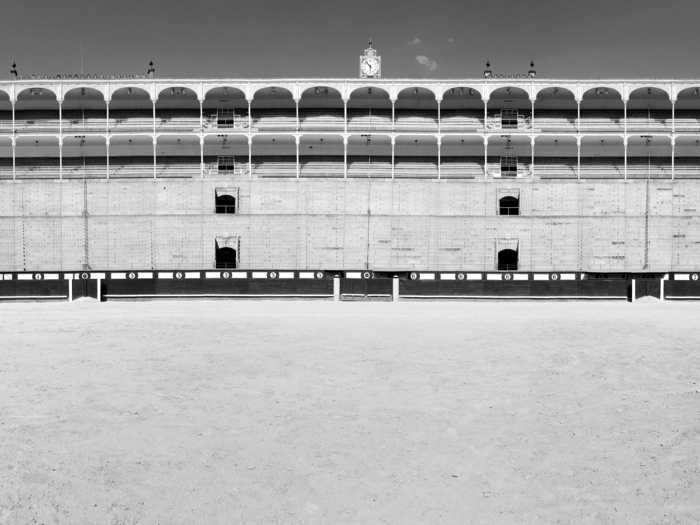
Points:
x=51 y=276
x=286 y=275
x=541 y=277
x=118 y=275
x=494 y=277
x=520 y=277
x=568 y=276
x=239 y=275
x=353 y=275
x=426 y=276
x=145 y=275
x=97 y=276
x=25 y=276
x=447 y=277
x=474 y=277
x=306 y=275
x=7 y=277
x=192 y=275
x=165 y=275
x=681 y=277
x=259 y=275
x=212 y=275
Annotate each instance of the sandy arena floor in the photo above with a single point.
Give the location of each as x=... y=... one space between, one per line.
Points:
x=315 y=412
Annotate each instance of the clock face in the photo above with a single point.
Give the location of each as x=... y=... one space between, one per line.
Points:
x=370 y=66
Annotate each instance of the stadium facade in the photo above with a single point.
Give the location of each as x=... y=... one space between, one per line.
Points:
x=483 y=174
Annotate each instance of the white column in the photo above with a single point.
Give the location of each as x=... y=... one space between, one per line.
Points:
x=624 y=105
x=578 y=157
x=624 y=145
x=14 y=143
x=201 y=155
x=673 y=158
x=439 y=156
x=393 y=147
x=345 y=116
x=250 y=117
x=250 y=155
x=155 y=156
x=532 y=156
x=532 y=114
x=201 y=115
x=673 y=116
x=107 y=135
x=296 y=142
x=107 y=116
x=439 y=123
x=393 y=114
x=486 y=156
x=578 y=115
x=345 y=157
x=296 y=107
x=155 y=140
x=107 y=142
x=60 y=139
x=486 y=112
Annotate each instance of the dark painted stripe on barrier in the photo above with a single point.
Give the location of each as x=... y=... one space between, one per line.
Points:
x=598 y=288
x=34 y=289
x=380 y=287
x=203 y=286
x=682 y=289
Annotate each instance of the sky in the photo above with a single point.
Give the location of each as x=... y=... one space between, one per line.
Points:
x=309 y=38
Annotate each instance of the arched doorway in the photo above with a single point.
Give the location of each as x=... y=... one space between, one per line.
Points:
x=509 y=205
x=225 y=257
x=507 y=260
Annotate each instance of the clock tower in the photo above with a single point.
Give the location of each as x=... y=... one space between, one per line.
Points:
x=370 y=63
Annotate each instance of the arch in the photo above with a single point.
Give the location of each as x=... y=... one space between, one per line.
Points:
x=37 y=93
x=273 y=109
x=224 y=91
x=461 y=91
x=226 y=257
x=130 y=110
x=272 y=92
x=83 y=93
x=556 y=157
x=507 y=260
x=224 y=107
x=321 y=108
x=415 y=110
x=175 y=93
x=509 y=93
x=369 y=109
x=316 y=93
x=509 y=205
x=555 y=92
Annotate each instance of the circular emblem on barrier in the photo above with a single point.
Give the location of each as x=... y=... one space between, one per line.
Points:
x=131 y=275
x=38 y=276
x=319 y=275
x=179 y=275
x=226 y=275
x=554 y=276
x=693 y=276
x=272 y=275
x=413 y=276
x=84 y=276
x=507 y=276
x=460 y=276
x=366 y=275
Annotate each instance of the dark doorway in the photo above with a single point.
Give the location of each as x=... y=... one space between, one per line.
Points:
x=225 y=257
x=509 y=206
x=508 y=260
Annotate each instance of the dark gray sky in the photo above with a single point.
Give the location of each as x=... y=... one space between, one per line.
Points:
x=426 y=38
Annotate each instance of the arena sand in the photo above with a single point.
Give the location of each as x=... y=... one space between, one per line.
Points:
x=315 y=412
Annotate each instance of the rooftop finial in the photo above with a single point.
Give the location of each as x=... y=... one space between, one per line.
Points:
x=487 y=72
x=13 y=70
x=151 y=71
x=532 y=73
x=370 y=42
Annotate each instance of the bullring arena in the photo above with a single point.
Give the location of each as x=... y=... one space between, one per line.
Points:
x=432 y=280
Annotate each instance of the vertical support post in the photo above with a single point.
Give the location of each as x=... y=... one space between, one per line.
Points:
x=393 y=154
x=336 y=288
x=578 y=157
x=624 y=104
x=439 y=156
x=439 y=119
x=532 y=115
x=201 y=155
x=345 y=116
x=532 y=156
x=395 y=289
x=673 y=117
x=250 y=155
x=70 y=288
x=155 y=161
x=107 y=143
x=673 y=157
x=296 y=108
x=14 y=158
x=345 y=156
x=296 y=142
x=250 y=117
x=662 y=291
x=486 y=156
x=99 y=289
x=486 y=113
x=634 y=290
x=393 y=114
x=154 y=139
x=60 y=139
x=578 y=115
